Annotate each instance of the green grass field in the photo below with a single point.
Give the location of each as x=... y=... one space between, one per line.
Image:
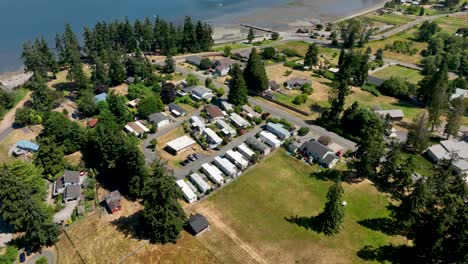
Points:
x=257 y=207
x=391 y=19
x=234 y=46
x=411 y=75
x=450 y=24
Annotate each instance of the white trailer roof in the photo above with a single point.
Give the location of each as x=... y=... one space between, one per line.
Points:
x=189 y=195
x=246 y=151
x=271 y=138
x=196 y=122
x=202 y=185
x=181 y=143
x=237 y=158
x=226 y=166
x=239 y=121
x=213 y=136
x=223 y=125
x=213 y=173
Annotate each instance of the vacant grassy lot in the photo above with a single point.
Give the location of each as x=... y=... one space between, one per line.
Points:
x=301 y=47
x=411 y=75
x=403 y=36
x=234 y=46
x=451 y=23
x=110 y=238
x=391 y=19
x=249 y=217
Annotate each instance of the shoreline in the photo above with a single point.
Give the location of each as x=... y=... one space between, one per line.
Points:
x=295 y=11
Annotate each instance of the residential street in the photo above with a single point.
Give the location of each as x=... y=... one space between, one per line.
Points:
x=49 y=254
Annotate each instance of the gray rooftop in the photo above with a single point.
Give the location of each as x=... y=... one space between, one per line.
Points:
x=157 y=117
x=173 y=106
x=72 y=192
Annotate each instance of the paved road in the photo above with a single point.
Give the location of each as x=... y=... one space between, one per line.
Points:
x=65 y=214
x=49 y=254
x=6 y=125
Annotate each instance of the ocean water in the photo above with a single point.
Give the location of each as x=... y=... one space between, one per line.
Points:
x=22 y=20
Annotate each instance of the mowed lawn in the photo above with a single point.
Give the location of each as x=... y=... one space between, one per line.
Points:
x=411 y=75
x=391 y=19
x=451 y=23
x=250 y=216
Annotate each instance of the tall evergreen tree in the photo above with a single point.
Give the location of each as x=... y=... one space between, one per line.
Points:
x=454 y=118
x=238 y=94
x=49 y=158
x=99 y=76
x=117 y=71
x=163 y=215
x=418 y=134
x=254 y=73
x=311 y=57
x=189 y=39
x=251 y=35
x=340 y=90
x=333 y=215
x=437 y=100
x=169 y=64
x=118 y=107
x=42 y=100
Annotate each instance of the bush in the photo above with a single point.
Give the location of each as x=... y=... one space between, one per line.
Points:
x=395 y=86
x=286 y=123
x=268 y=53
x=307 y=89
x=192 y=80
x=291 y=52
x=368 y=87
x=205 y=64
x=258 y=109
x=300 y=99
x=10 y=255
x=326 y=74
x=303 y=131
x=275 y=36
x=220 y=92
x=293 y=65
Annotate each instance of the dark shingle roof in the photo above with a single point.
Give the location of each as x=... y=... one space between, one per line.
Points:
x=72 y=192
x=213 y=111
x=177 y=108
x=71 y=177
x=197 y=223
x=314 y=147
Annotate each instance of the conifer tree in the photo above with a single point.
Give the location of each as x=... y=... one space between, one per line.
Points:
x=237 y=89
x=49 y=158
x=163 y=215
x=311 y=57
x=438 y=97
x=333 y=215
x=254 y=73
x=117 y=71
x=418 y=134
x=169 y=65
x=99 y=76
x=251 y=35
x=455 y=116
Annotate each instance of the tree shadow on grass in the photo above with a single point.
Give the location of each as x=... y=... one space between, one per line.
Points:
x=331 y=175
x=130 y=226
x=310 y=223
x=382 y=224
x=388 y=253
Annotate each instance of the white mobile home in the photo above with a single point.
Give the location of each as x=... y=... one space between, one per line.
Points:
x=270 y=139
x=246 y=151
x=226 y=166
x=189 y=195
x=278 y=130
x=226 y=128
x=212 y=138
x=237 y=158
x=201 y=184
x=258 y=146
x=213 y=173
x=196 y=123
x=238 y=121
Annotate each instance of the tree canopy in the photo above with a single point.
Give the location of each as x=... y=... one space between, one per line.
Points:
x=254 y=73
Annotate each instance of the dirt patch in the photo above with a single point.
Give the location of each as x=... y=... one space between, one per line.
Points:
x=120 y=89
x=74 y=159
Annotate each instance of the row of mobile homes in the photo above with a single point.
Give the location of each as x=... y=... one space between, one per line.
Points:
x=189 y=195
x=237 y=158
x=213 y=173
x=197 y=124
x=259 y=146
x=278 y=130
x=226 y=129
x=270 y=139
x=212 y=139
x=238 y=121
x=226 y=166
x=201 y=184
x=246 y=151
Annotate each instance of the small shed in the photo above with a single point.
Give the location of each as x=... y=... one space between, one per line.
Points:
x=112 y=201
x=100 y=97
x=197 y=224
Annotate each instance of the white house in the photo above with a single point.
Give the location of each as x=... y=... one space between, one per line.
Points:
x=179 y=144
x=159 y=119
x=245 y=151
x=227 y=130
x=237 y=158
x=189 y=195
x=197 y=123
x=270 y=139
x=212 y=138
x=226 y=166
x=201 y=184
x=222 y=66
x=201 y=93
x=318 y=153
x=213 y=173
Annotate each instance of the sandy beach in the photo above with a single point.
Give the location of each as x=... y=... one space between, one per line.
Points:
x=14 y=79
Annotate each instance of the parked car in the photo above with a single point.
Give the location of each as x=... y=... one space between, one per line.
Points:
x=191 y=157
x=196 y=156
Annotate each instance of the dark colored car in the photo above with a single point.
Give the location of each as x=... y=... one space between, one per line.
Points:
x=22 y=257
